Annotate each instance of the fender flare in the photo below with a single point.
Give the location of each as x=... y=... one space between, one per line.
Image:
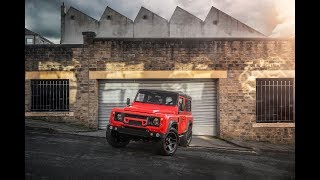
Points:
x=171 y=123
x=190 y=123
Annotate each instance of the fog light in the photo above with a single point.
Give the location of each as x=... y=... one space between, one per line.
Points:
x=157 y=135
x=151 y=134
x=110 y=127
x=115 y=128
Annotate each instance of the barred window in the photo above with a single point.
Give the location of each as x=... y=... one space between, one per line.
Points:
x=275 y=100
x=50 y=95
x=188 y=105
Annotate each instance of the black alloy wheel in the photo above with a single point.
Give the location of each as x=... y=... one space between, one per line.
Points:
x=171 y=142
x=185 y=140
x=189 y=135
x=168 y=145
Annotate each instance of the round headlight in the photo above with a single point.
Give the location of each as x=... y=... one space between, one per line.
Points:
x=156 y=121
x=118 y=116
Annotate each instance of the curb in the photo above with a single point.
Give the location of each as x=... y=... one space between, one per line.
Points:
x=47 y=129
x=273 y=151
x=221 y=149
x=80 y=134
x=52 y=130
x=236 y=144
x=260 y=150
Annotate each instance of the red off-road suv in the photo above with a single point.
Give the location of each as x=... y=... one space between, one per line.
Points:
x=163 y=117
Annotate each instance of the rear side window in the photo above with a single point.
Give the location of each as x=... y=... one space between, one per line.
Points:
x=188 y=105
x=181 y=108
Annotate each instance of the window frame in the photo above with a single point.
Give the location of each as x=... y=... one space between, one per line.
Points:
x=275 y=93
x=50 y=95
x=182 y=105
x=188 y=106
x=32 y=39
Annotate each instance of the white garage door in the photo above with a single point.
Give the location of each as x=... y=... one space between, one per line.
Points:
x=203 y=92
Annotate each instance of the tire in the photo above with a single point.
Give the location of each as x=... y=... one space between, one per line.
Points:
x=116 y=140
x=185 y=140
x=168 y=145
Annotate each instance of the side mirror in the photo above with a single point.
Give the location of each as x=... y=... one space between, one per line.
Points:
x=128 y=101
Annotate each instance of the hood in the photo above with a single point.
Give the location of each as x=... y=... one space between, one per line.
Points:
x=150 y=109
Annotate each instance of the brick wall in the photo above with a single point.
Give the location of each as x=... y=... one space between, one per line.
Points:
x=187 y=54
x=239 y=57
x=41 y=58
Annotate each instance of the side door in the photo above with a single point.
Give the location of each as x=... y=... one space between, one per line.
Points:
x=182 y=121
x=189 y=117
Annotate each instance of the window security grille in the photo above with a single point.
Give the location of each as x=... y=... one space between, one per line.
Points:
x=275 y=100
x=50 y=95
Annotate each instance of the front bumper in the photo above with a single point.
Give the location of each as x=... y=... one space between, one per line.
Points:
x=138 y=132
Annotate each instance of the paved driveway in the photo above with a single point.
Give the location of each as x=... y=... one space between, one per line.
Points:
x=67 y=156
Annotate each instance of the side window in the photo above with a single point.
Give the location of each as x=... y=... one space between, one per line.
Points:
x=169 y=100
x=29 y=41
x=188 y=105
x=181 y=108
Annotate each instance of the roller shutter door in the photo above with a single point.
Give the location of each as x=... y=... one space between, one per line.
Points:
x=203 y=92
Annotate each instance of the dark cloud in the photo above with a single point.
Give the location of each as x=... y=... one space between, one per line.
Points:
x=267 y=16
x=43 y=17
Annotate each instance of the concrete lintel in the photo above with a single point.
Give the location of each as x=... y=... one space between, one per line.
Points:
x=49 y=113
x=274 y=74
x=156 y=74
x=49 y=75
x=257 y=125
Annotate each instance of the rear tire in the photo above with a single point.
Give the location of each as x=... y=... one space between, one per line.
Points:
x=116 y=140
x=168 y=145
x=185 y=140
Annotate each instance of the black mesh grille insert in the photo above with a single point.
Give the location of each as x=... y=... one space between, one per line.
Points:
x=135 y=123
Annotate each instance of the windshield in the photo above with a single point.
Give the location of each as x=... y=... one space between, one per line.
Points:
x=157 y=97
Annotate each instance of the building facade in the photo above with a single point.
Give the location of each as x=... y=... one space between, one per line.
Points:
x=35 y=38
x=242 y=83
x=147 y=24
x=242 y=88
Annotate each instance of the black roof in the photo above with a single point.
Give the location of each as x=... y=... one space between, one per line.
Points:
x=28 y=32
x=165 y=91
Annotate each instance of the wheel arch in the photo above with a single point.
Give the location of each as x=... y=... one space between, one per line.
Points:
x=172 y=124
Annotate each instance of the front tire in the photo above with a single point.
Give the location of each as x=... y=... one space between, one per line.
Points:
x=168 y=145
x=185 y=140
x=115 y=139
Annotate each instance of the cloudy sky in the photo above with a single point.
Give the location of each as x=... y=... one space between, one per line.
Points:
x=274 y=18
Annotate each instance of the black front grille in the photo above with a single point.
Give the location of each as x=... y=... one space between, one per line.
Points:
x=135 y=123
x=134 y=131
x=136 y=116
